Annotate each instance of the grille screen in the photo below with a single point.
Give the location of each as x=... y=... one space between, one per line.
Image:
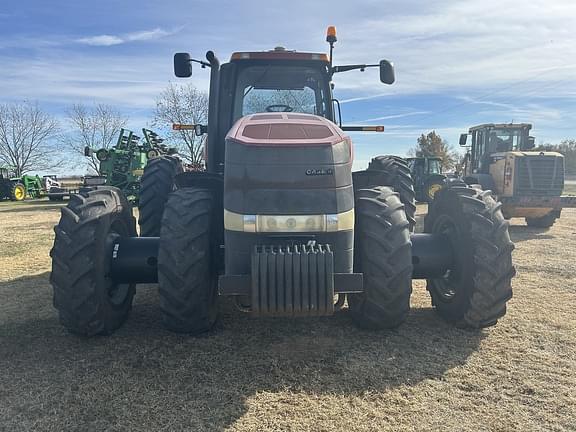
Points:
x=539 y=175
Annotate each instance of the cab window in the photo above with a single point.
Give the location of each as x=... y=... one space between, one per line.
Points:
x=268 y=88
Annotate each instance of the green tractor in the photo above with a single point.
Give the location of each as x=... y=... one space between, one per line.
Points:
x=19 y=188
x=122 y=166
x=427 y=175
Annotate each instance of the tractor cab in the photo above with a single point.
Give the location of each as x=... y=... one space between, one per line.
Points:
x=275 y=81
x=427 y=175
x=280 y=81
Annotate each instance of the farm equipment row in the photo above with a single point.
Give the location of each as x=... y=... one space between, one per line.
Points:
x=122 y=165
x=18 y=188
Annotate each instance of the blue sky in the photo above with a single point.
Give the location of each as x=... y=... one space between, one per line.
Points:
x=457 y=63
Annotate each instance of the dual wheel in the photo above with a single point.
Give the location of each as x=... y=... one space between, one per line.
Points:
x=472 y=294
x=89 y=302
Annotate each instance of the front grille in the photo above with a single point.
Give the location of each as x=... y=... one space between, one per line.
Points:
x=539 y=175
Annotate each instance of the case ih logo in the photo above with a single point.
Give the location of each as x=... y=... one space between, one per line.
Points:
x=319 y=172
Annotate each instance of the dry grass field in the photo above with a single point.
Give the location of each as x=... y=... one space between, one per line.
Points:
x=301 y=375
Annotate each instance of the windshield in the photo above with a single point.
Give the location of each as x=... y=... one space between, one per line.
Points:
x=502 y=140
x=281 y=89
x=434 y=167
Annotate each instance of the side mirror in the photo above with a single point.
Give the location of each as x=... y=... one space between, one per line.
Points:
x=387 y=72
x=87 y=151
x=182 y=65
x=463 y=139
x=531 y=142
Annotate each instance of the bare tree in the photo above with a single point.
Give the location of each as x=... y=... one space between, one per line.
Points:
x=186 y=105
x=26 y=133
x=95 y=127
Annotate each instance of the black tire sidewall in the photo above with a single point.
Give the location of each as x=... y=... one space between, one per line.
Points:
x=449 y=203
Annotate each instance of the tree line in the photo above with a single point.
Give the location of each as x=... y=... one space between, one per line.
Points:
x=31 y=139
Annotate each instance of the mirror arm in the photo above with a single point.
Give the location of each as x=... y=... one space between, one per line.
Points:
x=345 y=68
x=200 y=62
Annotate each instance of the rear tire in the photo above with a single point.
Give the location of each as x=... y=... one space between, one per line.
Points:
x=156 y=184
x=542 y=222
x=88 y=302
x=474 y=293
x=395 y=173
x=383 y=254
x=186 y=267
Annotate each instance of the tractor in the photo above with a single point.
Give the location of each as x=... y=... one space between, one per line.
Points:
x=528 y=183
x=19 y=188
x=427 y=176
x=278 y=221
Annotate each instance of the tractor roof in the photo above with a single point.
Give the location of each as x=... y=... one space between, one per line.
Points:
x=501 y=126
x=279 y=53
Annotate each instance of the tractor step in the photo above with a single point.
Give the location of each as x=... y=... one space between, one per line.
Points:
x=297 y=280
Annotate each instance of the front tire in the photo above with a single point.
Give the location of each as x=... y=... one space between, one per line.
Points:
x=156 y=184
x=187 y=275
x=88 y=301
x=383 y=254
x=474 y=292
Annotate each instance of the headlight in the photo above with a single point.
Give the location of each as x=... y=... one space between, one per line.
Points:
x=289 y=223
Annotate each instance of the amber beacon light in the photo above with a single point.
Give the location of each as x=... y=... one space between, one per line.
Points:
x=331 y=34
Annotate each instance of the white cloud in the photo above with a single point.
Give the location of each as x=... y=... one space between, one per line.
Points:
x=109 y=40
x=102 y=40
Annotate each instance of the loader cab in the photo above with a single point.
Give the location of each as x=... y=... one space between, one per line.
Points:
x=489 y=139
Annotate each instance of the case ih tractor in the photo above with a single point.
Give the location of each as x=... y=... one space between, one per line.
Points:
x=279 y=221
x=528 y=183
x=427 y=176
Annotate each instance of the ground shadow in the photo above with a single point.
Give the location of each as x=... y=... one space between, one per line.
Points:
x=520 y=233
x=144 y=373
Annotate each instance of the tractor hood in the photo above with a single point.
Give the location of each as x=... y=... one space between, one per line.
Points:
x=285 y=129
x=287 y=163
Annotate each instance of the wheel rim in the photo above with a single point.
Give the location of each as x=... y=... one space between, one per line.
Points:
x=446 y=286
x=433 y=189
x=19 y=193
